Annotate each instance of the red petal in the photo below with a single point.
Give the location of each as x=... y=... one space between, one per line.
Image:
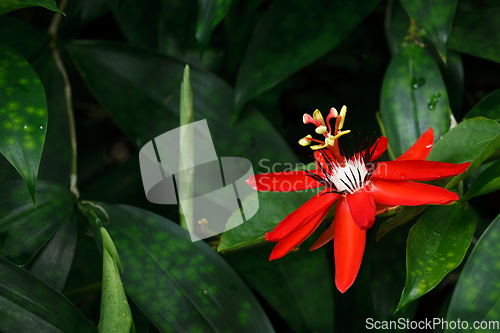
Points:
x=421 y=148
x=349 y=245
x=378 y=148
x=297 y=237
x=391 y=192
x=303 y=215
x=362 y=208
x=417 y=170
x=286 y=181
x=325 y=237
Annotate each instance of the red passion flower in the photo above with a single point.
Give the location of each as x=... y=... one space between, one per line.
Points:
x=361 y=187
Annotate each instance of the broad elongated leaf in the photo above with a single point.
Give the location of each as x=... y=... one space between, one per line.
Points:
x=396 y=25
x=280 y=46
x=437 y=244
x=23 y=37
x=23 y=115
x=180 y=285
x=286 y=285
x=139 y=24
x=472 y=140
x=477 y=32
x=488 y=181
x=27 y=304
x=477 y=293
x=152 y=82
x=435 y=17
x=55 y=164
x=210 y=13
x=488 y=107
x=273 y=208
x=24 y=229
x=53 y=262
x=413 y=98
x=10 y=5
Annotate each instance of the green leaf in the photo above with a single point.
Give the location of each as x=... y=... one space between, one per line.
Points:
x=273 y=207
x=413 y=98
x=437 y=244
x=29 y=305
x=286 y=284
x=435 y=17
x=53 y=262
x=488 y=181
x=10 y=5
x=23 y=115
x=210 y=13
x=280 y=46
x=477 y=32
x=179 y=285
x=477 y=293
x=488 y=107
x=404 y=214
x=152 y=83
x=472 y=140
x=25 y=229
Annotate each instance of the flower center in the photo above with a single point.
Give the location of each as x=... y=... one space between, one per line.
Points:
x=349 y=177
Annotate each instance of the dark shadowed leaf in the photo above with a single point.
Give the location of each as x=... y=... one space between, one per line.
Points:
x=181 y=286
x=23 y=115
x=437 y=244
x=291 y=35
x=488 y=181
x=298 y=286
x=210 y=13
x=10 y=5
x=477 y=294
x=413 y=98
x=27 y=304
x=396 y=25
x=404 y=214
x=472 y=140
x=53 y=262
x=23 y=37
x=477 y=32
x=273 y=208
x=488 y=107
x=55 y=164
x=435 y=17
x=139 y=24
x=152 y=82
x=25 y=229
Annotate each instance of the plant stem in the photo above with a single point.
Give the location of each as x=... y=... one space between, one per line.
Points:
x=52 y=31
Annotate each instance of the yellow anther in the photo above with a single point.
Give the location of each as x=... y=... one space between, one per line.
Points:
x=321 y=129
x=343 y=111
x=318 y=116
x=339 y=134
x=319 y=146
x=304 y=141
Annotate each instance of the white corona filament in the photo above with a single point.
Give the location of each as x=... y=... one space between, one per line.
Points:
x=350 y=177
